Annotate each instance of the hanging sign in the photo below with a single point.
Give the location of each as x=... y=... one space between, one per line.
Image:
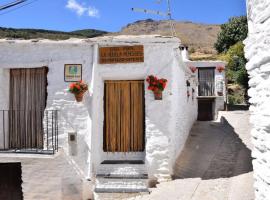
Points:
x=73 y=72
x=121 y=54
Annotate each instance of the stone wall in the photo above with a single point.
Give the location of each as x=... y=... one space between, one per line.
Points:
x=258 y=53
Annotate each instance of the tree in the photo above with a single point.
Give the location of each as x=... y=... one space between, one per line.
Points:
x=234 y=31
x=236 y=72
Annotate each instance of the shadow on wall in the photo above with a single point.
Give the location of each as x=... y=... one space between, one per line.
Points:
x=213 y=150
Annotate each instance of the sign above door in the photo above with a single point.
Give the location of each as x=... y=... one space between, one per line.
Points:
x=121 y=54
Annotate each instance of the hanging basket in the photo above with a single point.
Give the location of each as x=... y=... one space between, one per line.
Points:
x=158 y=95
x=79 y=97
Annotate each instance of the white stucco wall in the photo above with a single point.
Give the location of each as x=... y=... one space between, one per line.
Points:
x=167 y=122
x=185 y=108
x=73 y=116
x=4 y=105
x=258 y=53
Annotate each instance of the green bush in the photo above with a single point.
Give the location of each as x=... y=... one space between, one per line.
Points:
x=236 y=99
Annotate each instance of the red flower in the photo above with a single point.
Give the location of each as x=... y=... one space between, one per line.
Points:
x=156 y=84
x=220 y=68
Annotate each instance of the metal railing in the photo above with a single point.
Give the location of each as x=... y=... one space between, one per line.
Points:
x=29 y=131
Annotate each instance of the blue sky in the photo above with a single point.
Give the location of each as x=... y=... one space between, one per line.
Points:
x=111 y=15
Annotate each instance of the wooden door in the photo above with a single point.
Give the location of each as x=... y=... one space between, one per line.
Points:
x=10 y=181
x=28 y=94
x=124 y=116
x=205 y=109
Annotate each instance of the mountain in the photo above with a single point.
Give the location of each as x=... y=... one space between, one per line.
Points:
x=199 y=37
x=48 y=34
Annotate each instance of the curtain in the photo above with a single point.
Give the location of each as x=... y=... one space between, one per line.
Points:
x=27 y=104
x=207 y=82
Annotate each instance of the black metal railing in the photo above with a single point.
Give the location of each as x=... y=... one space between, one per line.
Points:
x=29 y=131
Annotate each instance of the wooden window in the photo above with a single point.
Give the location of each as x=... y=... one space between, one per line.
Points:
x=124 y=116
x=206 y=81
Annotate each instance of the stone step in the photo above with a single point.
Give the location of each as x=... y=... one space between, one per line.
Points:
x=122 y=176
x=121 y=185
x=122 y=169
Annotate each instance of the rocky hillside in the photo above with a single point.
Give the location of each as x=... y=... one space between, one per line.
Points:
x=199 y=37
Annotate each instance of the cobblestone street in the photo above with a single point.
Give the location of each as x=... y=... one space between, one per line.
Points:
x=214 y=165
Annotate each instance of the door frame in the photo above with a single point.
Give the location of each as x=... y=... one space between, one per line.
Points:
x=101 y=74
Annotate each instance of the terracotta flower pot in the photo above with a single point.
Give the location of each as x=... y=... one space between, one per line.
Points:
x=158 y=95
x=220 y=93
x=79 y=97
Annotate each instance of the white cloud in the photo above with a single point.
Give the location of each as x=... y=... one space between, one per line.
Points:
x=80 y=9
x=93 y=12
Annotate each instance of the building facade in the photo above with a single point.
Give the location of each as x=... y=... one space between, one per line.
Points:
x=64 y=146
x=212 y=92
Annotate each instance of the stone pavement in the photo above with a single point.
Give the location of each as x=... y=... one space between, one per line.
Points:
x=214 y=165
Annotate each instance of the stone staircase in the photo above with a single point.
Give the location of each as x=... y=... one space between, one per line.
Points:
x=121 y=177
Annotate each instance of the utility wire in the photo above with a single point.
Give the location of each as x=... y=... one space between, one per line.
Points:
x=9 y=5
x=16 y=8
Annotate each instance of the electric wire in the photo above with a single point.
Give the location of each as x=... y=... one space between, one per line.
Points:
x=18 y=7
x=11 y=4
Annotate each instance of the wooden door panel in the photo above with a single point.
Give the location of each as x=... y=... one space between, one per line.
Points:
x=124 y=116
x=205 y=110
x=27 y=102
x=10 y=181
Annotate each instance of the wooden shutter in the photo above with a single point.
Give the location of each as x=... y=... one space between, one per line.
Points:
x=206 y=81
x=124 y=116
x=27 y=103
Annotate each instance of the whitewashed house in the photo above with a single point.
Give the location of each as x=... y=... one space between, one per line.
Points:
x=61 y=147
x=211 y=86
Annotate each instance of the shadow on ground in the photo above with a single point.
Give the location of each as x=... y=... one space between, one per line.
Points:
x=237 y=107
x=213 y=150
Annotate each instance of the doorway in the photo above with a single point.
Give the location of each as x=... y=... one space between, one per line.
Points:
x=205 y=109
x=27 y=102
x=124 y=116
x=11 y=181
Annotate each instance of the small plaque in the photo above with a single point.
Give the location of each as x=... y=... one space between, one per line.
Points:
x=73 y=72
x=121 y=54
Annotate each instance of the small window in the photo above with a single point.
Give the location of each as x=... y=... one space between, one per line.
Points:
x=206 y=81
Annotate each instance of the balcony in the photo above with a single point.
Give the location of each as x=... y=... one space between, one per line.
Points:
x=29 y=131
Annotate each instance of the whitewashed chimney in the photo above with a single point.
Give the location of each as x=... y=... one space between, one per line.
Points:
x=184 y=52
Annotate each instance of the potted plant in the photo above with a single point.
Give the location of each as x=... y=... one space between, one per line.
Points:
x=193 y=69
x=78 y=89
x=157 y=86
x=220 y=68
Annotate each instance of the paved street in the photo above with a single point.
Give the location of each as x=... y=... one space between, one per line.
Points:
x=215 y=164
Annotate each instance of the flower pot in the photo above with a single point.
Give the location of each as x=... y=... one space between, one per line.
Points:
x=158 y=95
x=79 y=97
x=220 y=93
